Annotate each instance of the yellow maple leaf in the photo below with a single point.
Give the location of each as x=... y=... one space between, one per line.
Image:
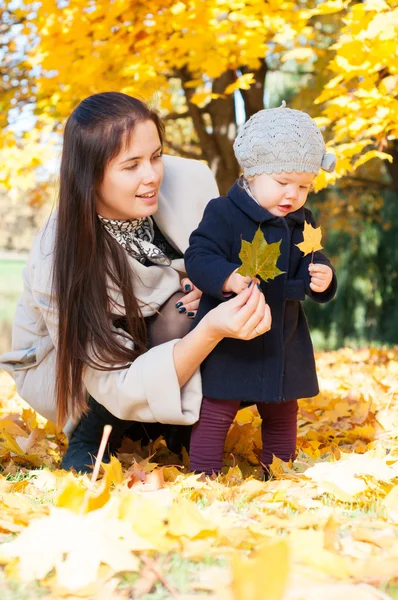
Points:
x=312 y=239
x=184 y=519
x=242 y=83
x=264 y=576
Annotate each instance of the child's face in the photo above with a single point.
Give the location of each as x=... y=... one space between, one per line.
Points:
x=281 y=193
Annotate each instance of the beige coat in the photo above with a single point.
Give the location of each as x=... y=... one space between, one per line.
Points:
x=148 y=390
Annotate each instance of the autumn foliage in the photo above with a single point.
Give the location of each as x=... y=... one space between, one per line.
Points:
x=325 y=526
x=188 y=57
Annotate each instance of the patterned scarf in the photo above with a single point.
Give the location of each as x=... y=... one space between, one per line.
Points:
x=136 y=237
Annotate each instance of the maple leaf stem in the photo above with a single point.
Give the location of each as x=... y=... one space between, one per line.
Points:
x=312 y=256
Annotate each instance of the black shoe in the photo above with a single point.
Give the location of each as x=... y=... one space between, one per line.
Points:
x=178 y=437
x=86 y=438
x=175 y=436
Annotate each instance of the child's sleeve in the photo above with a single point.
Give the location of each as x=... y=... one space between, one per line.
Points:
x=303 y=273
x=207 y=257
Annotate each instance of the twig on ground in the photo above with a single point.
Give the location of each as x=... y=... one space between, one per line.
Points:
x=150 y=563
x=104 y=440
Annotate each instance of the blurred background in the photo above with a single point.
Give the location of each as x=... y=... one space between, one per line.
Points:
x=207 y=67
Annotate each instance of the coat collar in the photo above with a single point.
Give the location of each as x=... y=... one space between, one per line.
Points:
x=257 y=213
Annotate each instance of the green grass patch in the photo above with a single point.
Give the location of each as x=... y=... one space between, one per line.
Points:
x=182 y=574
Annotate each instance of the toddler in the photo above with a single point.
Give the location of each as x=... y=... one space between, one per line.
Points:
x=280 y=152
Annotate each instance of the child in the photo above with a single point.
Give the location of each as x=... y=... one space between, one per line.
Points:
x=280 y=151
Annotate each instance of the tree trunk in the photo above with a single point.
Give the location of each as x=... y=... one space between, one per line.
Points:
x=254 y=96
x=216 y=141
x=393 y=167
x=217 y=137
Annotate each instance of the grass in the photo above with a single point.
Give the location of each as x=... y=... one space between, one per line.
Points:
x=12 y=590
x=10 y=290
x=181 y=574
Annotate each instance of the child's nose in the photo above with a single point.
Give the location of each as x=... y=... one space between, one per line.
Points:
x=291 y=192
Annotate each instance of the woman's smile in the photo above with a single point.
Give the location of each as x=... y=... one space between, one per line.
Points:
x=149 y=198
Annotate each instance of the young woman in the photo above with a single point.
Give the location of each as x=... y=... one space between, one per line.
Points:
x=96 y=336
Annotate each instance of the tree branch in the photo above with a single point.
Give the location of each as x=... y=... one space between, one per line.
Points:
x=366 y=181
x=182 y=152
x=176 y=115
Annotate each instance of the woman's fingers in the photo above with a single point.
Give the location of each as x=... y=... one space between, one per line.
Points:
x=187 y=285
x=257 y=316
x=190 y=306
x=191 y=297
x=240 y=299
x=250 y=315
x=185 y=281
x=265 y=324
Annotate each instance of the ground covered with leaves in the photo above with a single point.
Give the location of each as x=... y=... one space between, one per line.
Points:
x=325 y=527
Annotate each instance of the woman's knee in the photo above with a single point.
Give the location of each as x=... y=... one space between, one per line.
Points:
x=169 y=324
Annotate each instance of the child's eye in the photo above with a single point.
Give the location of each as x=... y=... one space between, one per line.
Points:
x=281 y=183
x=157 y=156
x=305 y=187
x=131 y=167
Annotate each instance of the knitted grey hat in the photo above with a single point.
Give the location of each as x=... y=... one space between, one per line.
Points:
x=282 y=139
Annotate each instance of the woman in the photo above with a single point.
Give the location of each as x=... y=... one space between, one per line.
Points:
x=96 y=318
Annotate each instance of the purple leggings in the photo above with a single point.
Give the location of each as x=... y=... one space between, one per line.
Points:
x=278 y=431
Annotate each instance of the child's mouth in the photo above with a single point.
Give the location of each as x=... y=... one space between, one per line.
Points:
x=285 y=207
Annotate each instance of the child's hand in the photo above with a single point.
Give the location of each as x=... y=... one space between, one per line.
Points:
x=321 y=277
x=236 y=283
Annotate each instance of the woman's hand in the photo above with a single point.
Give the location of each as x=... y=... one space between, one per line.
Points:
x=244 y=317
x=189 y=304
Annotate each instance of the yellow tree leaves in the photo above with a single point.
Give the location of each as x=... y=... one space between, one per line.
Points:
x=259 y=258
x=133 y=48
x=361 y=98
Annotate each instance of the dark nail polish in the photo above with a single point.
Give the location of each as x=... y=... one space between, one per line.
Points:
x=190 y=314
x=187 y=288
x=250 y=283
x=178 y=304
x=182 y=310
x=259 y=287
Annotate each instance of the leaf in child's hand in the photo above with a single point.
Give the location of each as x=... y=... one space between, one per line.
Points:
x=312 y=239
x=259 y=258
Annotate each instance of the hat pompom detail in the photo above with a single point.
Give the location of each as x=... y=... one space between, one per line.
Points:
x=328 y=162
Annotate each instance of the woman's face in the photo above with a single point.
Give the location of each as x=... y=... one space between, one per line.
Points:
x=130 y=187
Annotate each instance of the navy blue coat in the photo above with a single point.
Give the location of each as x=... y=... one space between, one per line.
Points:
x=279 y=365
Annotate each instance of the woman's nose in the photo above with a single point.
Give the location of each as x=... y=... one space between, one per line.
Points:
x=149 y=174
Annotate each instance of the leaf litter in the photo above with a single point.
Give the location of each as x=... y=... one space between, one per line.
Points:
x=323 y=526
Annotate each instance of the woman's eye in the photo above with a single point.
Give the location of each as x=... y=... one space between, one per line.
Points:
x=131 y=167
x=157 y=156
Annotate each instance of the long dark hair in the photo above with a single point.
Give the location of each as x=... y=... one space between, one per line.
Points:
x=87 y=259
